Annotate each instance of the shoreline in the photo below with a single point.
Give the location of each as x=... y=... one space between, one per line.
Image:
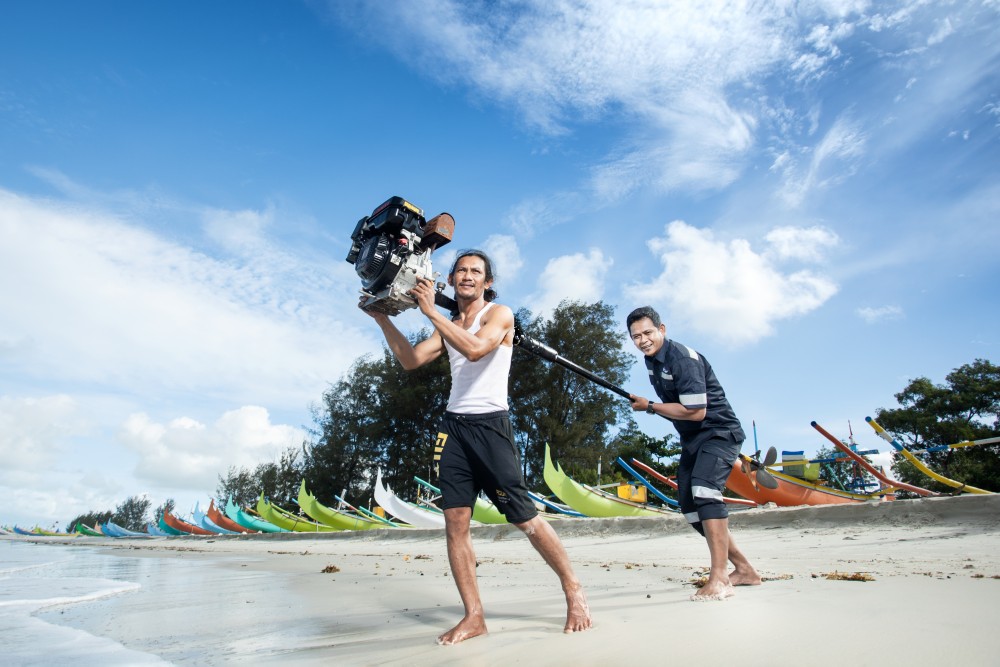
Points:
x=386 y=595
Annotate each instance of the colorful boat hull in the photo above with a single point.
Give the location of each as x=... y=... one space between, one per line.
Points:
x=589 y=501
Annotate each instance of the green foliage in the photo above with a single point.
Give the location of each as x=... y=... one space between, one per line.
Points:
x=631 y=443
x=377 y=417
x=240 y=485
x=837 y=473
x=133 y=513
x=966 y=407
x=167 y=505
x=90 y=519
x=277 y=480
x=551 y=404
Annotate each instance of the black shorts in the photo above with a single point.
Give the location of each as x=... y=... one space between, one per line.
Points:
x=477 y=453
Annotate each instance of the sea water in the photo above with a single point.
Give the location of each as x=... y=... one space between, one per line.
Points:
x=94 y=605
x=48 y=578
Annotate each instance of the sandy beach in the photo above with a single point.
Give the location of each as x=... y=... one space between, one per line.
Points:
x=932 y=570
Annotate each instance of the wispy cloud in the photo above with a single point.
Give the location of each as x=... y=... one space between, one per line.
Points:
x=726 y=290
x=833 y=160
x=668 y=71
x=873 y=315
x=103 y=302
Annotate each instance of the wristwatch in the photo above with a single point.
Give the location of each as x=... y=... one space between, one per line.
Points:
x=649 y=408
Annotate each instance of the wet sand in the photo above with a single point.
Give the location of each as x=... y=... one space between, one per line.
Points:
x=905 y=582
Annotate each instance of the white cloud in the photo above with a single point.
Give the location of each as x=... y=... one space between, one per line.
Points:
x=725 y=290
x=833 y=160
x=34 y=432
x=506 y=256
x=535 y=214
x=943 y=31
x=576 y=277
x=881 y=314
x=117 y=308
x=187 y=454
x=800 y=243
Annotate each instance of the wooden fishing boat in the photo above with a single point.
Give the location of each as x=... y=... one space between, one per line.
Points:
x=166 y=528
x=672 y=483
x=250 y=521
x=588 y=500
x=155 y=531
x=791 y=490
x=291 y=522
x=114 y=530
x=868 y=467
x=223 y=521
x=403 y=510
x=201 y=519
x=547 y=503
x=329 y=516
x=54 y=533
x=484 y=511
x=920 y=465
x=84 y=530
x=184 y=526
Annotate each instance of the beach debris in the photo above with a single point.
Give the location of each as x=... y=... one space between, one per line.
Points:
x=845 y=576
x=330 y=569
x=776 y=577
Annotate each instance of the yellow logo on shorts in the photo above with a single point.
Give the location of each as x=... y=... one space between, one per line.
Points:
x=439 y=445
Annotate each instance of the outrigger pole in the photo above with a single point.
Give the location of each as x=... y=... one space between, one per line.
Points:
x=545 y=352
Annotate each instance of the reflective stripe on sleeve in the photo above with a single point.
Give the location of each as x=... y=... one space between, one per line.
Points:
x=694 y=400
x=706 y=492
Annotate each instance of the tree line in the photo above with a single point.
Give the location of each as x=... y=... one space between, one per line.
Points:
x=379 y=417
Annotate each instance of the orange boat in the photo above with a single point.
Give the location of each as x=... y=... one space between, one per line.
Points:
x=223 y=521
x=791 y=491
x=184 y=526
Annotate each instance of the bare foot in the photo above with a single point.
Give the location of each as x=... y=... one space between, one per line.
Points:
x=577 y=611
x=744 y=577
x=467 y=628
x=713 y=590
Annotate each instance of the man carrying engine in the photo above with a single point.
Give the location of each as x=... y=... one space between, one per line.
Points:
x=475 y=448
x=711 y=437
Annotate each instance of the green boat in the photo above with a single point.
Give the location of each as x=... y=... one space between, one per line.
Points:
x=590 y=501
x=249 y=521
x=290 y=522
x=83 y=530
x=333 y=517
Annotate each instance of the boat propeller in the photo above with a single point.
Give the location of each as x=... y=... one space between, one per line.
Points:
x=761 y=474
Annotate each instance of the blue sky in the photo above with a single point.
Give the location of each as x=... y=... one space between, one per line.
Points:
x=808 y=192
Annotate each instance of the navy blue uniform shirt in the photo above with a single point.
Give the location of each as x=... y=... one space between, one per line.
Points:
x=681 y=375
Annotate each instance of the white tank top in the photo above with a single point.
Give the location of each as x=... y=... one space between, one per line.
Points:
x=479 y=386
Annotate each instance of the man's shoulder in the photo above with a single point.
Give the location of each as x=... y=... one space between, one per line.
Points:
x=678 y=350
x=498 y=310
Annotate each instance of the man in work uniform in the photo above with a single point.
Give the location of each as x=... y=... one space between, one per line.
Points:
x=476 y=448
x=711 y=437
